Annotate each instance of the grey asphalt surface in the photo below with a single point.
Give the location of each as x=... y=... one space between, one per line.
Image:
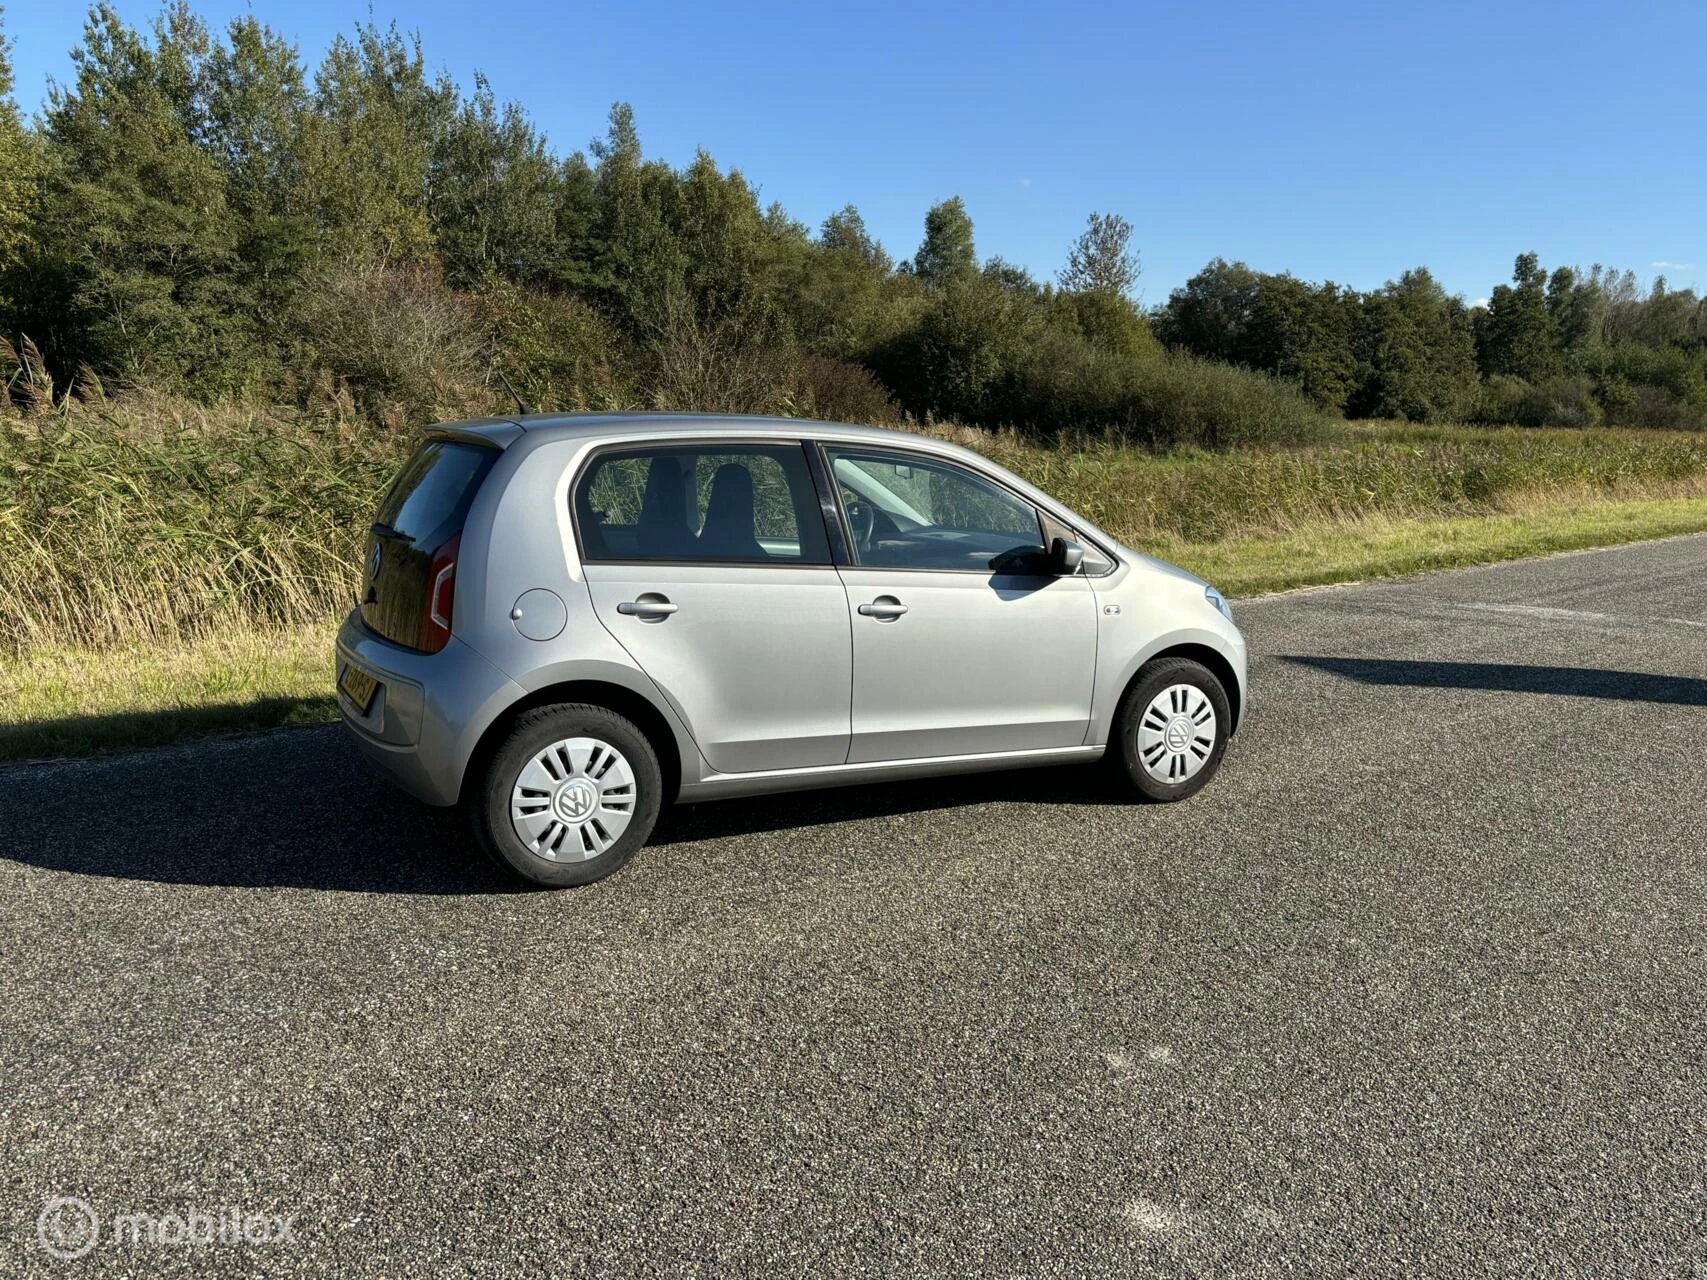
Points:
x=1417 y=987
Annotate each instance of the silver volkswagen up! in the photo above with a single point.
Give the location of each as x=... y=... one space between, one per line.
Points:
x=567 y=622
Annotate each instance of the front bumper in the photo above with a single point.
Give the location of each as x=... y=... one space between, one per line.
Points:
x=427 y=717
x=1240 y=660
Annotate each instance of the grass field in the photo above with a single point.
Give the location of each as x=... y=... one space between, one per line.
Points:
x=168 y=571
x=64 y=701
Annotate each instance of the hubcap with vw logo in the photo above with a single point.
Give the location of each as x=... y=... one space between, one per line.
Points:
x=1176 y=734
x=573 y=800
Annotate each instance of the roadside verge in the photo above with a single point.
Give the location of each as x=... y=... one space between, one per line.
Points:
x=61 y=702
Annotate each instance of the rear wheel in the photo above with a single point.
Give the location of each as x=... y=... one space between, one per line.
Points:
x=1171 y=729
x=569 y=796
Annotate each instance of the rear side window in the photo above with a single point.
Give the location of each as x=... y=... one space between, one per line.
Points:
x=429 y=500
x=715 y=504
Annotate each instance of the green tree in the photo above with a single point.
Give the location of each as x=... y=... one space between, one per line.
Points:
x=1669 y=317
x=841 y=293
x=1576 y=311
x=257 y=101
x=370 y=144
x=1012 y=277
x=946 y=254
x=632 y=262
x=19 y=172
x=493 y=194
x=1211 y=315
x=1102 y=259
x=1514 y=336
x=1275 y=323
x=844 y=232
x=1108 y=321
x=1305 y=334
x=138 y=270
x=1417 y=352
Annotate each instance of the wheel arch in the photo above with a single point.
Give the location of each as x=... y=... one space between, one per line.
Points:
x=1205 y=656
x=647 y=717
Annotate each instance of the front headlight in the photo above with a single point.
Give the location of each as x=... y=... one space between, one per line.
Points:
x=1219 y=601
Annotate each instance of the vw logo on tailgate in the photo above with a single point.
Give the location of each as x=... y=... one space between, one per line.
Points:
x=373 y=561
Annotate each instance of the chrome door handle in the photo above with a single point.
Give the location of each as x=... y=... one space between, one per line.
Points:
x=884 y=609
x=647 y=608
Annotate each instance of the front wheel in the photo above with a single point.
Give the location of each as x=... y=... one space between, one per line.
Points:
x=569 y=796
x=1170 y=731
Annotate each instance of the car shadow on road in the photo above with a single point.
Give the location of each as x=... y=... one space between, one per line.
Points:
x=292 y=809
x=300 y=809
x=714 y=820
x=1580 y=682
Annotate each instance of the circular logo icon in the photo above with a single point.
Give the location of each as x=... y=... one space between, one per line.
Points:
x=68 y=1227
x=576 y=802
x=373 y=560
x=1178 y=734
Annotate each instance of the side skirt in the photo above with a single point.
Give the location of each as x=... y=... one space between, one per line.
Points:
x=725 y=786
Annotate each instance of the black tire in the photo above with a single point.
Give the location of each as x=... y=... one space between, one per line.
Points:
x=488 y=800
x=1123 y=749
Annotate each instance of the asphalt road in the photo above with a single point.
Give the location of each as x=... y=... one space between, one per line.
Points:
x=1417 y=987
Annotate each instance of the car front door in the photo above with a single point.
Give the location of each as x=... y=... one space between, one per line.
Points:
x=964 y=639
x=708 y=563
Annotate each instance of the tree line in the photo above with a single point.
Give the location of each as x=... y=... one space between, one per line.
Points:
x=199 y=212
x=1562 y=348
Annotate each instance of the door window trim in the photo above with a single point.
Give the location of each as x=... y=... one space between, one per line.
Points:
x=925 y=457
x=688 y=443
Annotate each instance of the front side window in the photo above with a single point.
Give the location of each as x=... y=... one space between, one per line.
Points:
x=722 y=504
x=906 y=513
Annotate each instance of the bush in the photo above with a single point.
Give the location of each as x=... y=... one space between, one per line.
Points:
x=1186 y=400
x=559 y=352
x=1109 y=321
x=1558 y=402
x=1651 y=387
x=1167 y=402
x=1561 y=402
x=838 y=391
x=408 y=349
x=990 y=355
x=1645 y=405
x=1065 y=384
x=1497 y=400
x=957 y=361
x=715 y=366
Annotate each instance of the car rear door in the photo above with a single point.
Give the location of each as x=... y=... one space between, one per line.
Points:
x=964 y=640
x=709 y=563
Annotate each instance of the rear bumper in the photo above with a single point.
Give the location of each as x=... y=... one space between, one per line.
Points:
x=427 y=718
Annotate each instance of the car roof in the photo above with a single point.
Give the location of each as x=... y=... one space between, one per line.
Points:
x=541 y=428
x=668 y=423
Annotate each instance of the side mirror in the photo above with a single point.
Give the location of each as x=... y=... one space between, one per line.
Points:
x=1065 y=557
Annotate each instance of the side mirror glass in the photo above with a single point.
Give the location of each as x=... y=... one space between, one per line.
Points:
x=1065 y=557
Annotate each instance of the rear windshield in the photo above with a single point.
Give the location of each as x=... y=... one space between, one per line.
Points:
x=429 y=500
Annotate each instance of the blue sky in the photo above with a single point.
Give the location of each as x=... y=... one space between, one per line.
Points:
x=1337 y=141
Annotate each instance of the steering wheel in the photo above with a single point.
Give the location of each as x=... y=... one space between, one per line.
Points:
x=862 y=520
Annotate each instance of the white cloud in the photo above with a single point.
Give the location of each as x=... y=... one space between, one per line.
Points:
x=1663 y=265
x=1480 y=302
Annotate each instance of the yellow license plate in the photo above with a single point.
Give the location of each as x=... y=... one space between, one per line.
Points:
x=358 y=686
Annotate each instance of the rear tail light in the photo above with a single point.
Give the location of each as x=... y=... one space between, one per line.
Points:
x=441 y=597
